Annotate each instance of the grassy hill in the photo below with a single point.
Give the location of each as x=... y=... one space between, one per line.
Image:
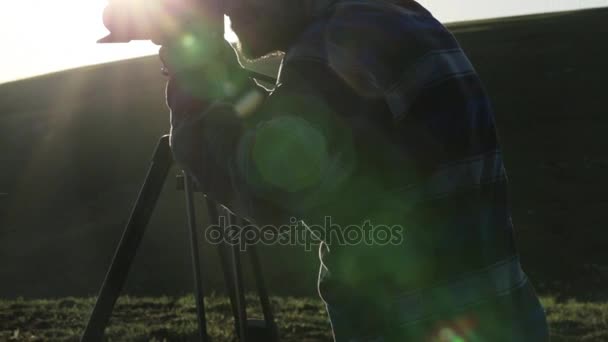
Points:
x=75 y=146
x=173 y=319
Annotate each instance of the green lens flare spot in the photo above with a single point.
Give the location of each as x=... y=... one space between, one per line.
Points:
x=290 y=153
x=188 y=41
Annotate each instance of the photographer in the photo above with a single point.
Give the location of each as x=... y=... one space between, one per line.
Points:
x=377 y=116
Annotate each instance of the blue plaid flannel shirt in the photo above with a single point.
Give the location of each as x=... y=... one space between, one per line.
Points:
x=379 y=115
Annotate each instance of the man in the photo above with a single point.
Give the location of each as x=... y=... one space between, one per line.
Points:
x=378 y=119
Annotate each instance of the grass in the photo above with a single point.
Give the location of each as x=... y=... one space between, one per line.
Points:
x=153 y=318
x=577 y=321
x=173 y=319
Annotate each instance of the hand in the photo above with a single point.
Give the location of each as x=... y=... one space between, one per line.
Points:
x=204 y=128
x=201 y=70
x=200 y=60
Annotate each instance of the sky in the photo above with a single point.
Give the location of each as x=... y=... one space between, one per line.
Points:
x=42 y=36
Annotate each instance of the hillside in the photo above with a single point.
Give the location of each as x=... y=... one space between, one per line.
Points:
x=75 y=146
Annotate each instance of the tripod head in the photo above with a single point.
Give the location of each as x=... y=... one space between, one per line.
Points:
x=163 y=21
x=159 y=20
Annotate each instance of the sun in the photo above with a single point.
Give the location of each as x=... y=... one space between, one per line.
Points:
x=46 y=36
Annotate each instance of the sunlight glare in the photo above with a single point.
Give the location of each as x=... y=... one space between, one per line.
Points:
x=229 y=35
x=41 y=36
x=47 y=36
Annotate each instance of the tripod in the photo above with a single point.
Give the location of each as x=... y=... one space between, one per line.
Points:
x=247 y=330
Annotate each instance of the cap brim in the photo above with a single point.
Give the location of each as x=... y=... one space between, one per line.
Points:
x=111 y=38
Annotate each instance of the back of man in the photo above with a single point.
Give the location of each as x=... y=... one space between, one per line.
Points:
x=380 y=120
x=424 y=129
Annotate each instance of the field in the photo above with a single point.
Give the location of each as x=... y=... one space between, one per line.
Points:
x=75 y=146
x=173 y=319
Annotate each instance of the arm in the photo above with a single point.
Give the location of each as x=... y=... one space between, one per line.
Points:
x=316 y=148
x=297 y=152
x=290 y=157
x=313 y=149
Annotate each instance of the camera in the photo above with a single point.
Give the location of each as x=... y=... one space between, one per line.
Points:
x=159 y=20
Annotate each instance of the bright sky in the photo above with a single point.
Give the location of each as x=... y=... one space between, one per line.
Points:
x=42 y=36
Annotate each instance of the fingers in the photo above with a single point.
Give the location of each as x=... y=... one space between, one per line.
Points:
x=162 y=55
x=221 y=61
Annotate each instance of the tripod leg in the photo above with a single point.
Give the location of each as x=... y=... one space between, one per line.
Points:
x=199 y=294
x=130 y=241
x=262 y=291
x=237 y=275
x=224 y=254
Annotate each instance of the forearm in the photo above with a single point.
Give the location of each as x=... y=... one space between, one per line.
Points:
x=204 y=135
x=297 y=153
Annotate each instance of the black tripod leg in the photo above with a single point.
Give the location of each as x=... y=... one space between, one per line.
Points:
x=199 y=294
x=130 y=241
x=214 y=214
x=237 y=274
x=262 y=292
